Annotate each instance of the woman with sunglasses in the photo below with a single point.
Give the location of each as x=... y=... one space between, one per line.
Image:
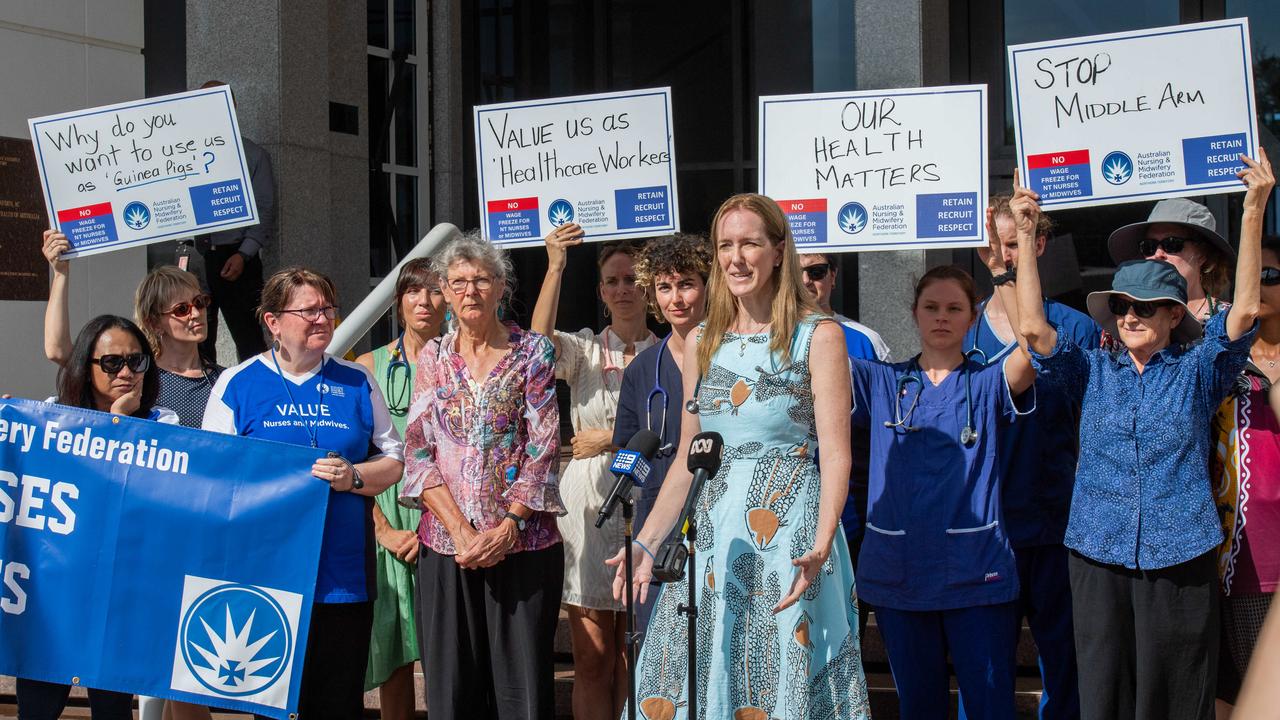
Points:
x=296 y=393
x=108 y=368
x=169 y=307
x=592 y=364
x=419 y=311
x=672 y=271
x=1246 y=485
x=1143 y=528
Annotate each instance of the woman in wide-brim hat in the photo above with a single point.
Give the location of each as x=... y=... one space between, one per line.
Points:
x=1144 y=528
x=1184 y=234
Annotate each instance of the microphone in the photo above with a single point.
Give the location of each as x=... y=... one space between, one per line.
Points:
x=705 y=452
x=631 y=467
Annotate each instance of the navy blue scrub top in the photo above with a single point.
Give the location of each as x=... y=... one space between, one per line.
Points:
x=637 y=383
x=934 y=540
x=1038 y=453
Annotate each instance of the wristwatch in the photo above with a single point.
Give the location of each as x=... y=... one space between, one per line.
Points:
x=519 y=521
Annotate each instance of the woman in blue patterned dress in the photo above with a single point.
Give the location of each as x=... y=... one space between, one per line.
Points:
x=777 y=616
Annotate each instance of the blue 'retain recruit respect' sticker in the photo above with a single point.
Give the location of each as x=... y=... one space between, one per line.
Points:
x=1213 y=159
x=218 y=202
x=947 y=215
x=642 y=207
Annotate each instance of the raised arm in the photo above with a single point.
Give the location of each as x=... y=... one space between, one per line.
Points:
x=1258 y=177
x=57 y=320
x=548 y=305
x=1030 y=325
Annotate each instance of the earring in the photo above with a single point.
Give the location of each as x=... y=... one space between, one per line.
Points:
x=275 y=344
x=606 y=311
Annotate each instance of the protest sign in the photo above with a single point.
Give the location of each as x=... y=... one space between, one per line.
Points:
x=1132 y=116
x=606 y=162
x=134 y=557
x=144 y=171
x=878 y=170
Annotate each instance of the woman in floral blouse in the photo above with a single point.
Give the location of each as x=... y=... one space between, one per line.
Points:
x=482 y=460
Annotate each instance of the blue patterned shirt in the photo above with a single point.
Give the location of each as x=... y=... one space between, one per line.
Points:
x=1142 y=494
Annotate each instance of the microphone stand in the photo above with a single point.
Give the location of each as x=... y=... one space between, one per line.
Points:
x=690 y=612
x=632 y=637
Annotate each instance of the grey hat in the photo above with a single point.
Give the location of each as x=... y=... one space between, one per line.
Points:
x=1123 y=243
x=1147 y=280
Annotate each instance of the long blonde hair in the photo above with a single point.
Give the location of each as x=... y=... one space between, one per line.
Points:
x=791 y=301
x=155 y=294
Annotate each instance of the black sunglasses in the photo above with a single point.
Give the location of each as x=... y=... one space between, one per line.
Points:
x=1270 y=276
x=1171 y=245
x=818 y=271
x=1119 y=306
x=113 y=364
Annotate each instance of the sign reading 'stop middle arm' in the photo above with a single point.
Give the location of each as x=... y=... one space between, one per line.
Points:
x=878 y=170
x=605 y=162
x=1132 y=116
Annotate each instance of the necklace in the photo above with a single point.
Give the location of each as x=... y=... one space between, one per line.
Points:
x=744 y=337
x=1271 y=362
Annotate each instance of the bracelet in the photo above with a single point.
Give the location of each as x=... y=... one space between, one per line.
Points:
x=646 y=550
x=1004 y=278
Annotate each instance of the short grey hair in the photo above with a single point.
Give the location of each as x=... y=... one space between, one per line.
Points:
x=474 y=249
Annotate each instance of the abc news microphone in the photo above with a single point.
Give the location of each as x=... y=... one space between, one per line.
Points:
x=631 y=467
x=705 y=452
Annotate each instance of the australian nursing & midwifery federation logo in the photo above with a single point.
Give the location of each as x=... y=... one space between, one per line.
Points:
x=137 y=215
x=560 y=212
x=236 y=641
x=1117 y=168
x=852 y=218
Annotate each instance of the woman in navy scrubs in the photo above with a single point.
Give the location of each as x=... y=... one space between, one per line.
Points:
x=936 y=563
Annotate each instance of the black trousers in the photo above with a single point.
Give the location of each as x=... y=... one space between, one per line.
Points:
x=488 y=635
x=38 y=700
x=1146 y=640
x=336 y=660
x=237 y=299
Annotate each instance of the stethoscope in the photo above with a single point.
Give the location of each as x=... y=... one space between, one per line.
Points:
x=401 y=363
x=667 y=448
x=968 y=434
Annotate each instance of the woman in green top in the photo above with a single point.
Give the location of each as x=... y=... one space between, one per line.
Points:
x=420 y=310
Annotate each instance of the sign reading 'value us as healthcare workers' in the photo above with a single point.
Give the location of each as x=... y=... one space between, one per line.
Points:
x=878 y=170
x=144 y=171
x=606 y=162
x=134 y=557
x=1132 y=116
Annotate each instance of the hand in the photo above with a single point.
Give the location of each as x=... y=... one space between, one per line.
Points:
x=489 y=547
x=810 y=565
x=591 y=442
x=401 y=543
x=1258 y=177
x=462 y=536
x=1025 y=206
x=641 y=574
x=558 y=242
x=337 y=472
x=993 y=254
x=128 y=403
x=55 y=243
x=232 y=268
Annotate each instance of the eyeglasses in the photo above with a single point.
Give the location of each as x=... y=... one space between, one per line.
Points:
x=1119 y=306
x=817 y=271
x=1270 y=276
x=459 y=286
x=313 y=314
x=1171 y=245
x=113 y=364
x=184 y=309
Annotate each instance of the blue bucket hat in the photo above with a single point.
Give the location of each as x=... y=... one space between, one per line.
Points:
x=1147 y=280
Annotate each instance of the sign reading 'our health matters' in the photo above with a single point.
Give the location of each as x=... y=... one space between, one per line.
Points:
x=1132 y=116
x=144 y=171
x=878 y=170
x=606 y=162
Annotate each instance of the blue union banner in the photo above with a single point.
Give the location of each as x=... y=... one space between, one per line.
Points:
x=155 y=559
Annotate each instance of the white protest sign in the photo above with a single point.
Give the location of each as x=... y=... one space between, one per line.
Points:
x=878 y=170
x=144 y=171
x=606 y=162
x=1132 y=116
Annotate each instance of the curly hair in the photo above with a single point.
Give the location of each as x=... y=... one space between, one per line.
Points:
x=671 y=255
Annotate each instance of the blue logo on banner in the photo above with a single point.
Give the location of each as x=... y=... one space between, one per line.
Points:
x=560 y=212
x=940 y=215
x=236 y=640
x=1213 y=159
x=853 y=218
x=642 y=207
x=1117 y=168
x=136 y=215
